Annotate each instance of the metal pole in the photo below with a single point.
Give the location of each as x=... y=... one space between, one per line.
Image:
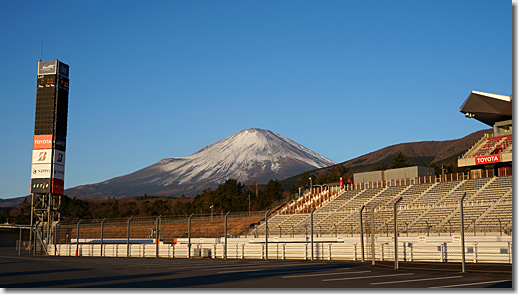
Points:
x=361 y=233
x=313 y=210
x=128 y=237
x=20 y=243
x=462 y=232
x=189 y=235
x=225 y=251
x=56 y=238
x=396 y=262
x=102 y=236
x=373 y=245
x=157 y=233
x=32 y=224
x=77 y=242
x=266 y=234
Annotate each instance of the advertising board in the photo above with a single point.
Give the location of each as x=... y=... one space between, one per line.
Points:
x=42 y=142
x=63 y=69
x=40 y=185
x=58 y=186
x=488 y=159
x=41 y=171
x=41 y=156
x=60 y=143
x=58 y=172
x=48 y=67
x=59 y=157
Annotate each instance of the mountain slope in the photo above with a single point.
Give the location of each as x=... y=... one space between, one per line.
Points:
x=419 y=153
x=428 y=151
x=251 y=154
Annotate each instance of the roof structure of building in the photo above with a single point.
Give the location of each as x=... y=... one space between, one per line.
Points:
x=488 y=108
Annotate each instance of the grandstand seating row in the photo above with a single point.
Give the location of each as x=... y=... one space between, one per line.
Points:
x=424 y=208
x=489 y=145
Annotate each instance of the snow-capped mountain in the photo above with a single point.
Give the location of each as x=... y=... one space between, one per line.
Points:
x=249 y=155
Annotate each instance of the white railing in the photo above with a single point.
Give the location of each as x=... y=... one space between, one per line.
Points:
x=488 y=249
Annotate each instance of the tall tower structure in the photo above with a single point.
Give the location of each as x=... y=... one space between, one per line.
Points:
x=48 y=154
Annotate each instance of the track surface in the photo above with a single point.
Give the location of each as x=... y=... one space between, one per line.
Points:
x=93 y=272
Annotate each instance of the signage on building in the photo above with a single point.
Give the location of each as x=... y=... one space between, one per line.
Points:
x=47 y=67
x=41 y=171
x=42 y=142
x=58 y=186
x=40 y=185
x=58 y=172
x=59 y=157
x=41 y=156
x=488 y=159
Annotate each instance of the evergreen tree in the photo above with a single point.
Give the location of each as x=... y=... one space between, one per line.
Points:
x=381 y=166
x=400 y=161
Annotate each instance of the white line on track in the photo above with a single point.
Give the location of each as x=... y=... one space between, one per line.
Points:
x=367 y=277
x=294 y=271
x=255 y=269
x=326 y=274
x=226 y=266
x=471 y=284
x=416 y=280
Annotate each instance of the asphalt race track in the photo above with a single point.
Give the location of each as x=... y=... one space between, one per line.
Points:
x=94 y=272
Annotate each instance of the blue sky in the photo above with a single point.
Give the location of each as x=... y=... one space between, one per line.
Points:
x=150 y=80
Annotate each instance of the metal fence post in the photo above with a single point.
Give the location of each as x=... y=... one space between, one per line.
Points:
x=396 y=262
x=312 y=211
x=189 y=235
x=266 y=235
x=225 y=248
x=462 y=232
x=55 y=238
x=157 y=234
x=20 y=243
x=128 y=238
x=373 y=245
x=361 y=233
x=77 y=242
x=102 y=235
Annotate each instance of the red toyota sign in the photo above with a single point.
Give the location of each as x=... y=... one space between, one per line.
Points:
x=487 y=159
x=42 y=142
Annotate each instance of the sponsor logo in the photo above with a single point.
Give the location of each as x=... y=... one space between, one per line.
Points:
x=40 y=185
x=46 y=67
x=59 y=157
x=42 y=156
x=487 y=159
x=42 y=142
x=41 y=171
x=58 y=186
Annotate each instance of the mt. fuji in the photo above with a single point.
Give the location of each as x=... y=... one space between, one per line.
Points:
x=249 y=155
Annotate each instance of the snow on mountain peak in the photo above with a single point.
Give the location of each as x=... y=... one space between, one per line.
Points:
x=248 y=154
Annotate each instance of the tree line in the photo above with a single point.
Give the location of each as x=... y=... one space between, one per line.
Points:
x=230 y=195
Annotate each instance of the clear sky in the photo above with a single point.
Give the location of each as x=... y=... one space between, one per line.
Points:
x=157 y=79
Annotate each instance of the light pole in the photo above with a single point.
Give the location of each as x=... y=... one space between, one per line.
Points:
x=211 y=213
